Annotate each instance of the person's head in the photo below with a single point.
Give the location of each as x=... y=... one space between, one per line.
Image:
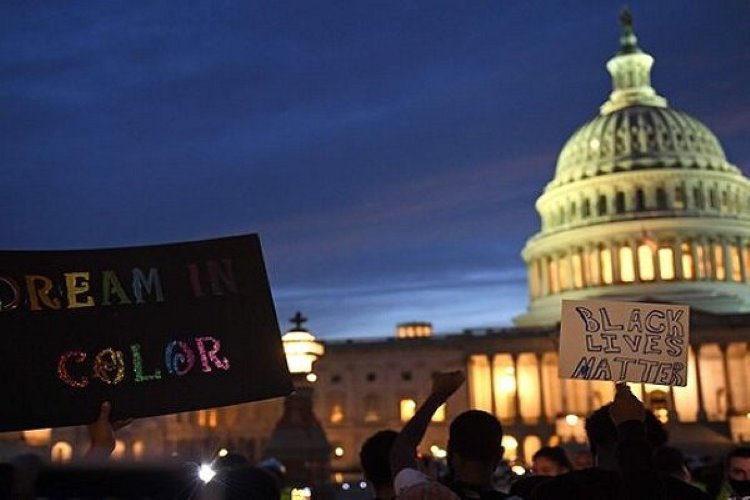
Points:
x=475 y=439
x=602 y=433
x=550 y=461
x=738 y=470
x=375 y=458
x=671 y=461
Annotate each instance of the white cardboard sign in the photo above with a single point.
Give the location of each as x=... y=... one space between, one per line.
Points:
x=624 y=341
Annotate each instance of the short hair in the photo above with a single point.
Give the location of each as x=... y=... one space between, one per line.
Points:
x=739 y=452
x=555 y=454
x=601 y=431
x=476 y=435
x=374 y=456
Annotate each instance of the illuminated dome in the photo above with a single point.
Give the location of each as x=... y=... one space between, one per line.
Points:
x=643 y=206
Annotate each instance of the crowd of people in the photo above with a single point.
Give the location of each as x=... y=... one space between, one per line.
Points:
x=628 y=444
x=631 y=460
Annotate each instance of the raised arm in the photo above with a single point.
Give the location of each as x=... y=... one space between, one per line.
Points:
x=403 y=450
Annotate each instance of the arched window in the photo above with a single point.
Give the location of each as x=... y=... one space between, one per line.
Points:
x=573 y=212
x=661 y=199
x=679 y=197
x=640 y=200
x=700 y=201
x=601 y=205
x=586 y=208
x=713 y=199
x=619 y=202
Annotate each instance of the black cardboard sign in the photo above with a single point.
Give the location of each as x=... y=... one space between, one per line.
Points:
x=155 y=330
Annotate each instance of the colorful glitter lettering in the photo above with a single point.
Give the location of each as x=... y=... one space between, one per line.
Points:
x=109 y=366
x=222 y=364
x=179 y=357
x=138 y=366
x=62 y=369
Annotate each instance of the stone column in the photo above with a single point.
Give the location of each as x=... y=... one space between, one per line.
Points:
x=727 y=378
x=699 y=385
x=544 y=285
x=614 y=250
x=540 y=375
x=490 y=357
x=516 y=398
x=678 y=271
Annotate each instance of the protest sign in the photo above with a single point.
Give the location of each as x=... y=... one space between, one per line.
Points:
x=155 y=330
x=624 y=341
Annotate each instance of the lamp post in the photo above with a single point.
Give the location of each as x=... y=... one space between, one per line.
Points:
x=298 y=440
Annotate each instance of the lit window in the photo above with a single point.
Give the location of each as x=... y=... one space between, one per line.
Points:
x=62 y=452
x=592 y=266
x=577 y=270
x=708 y=262
x=700 y=260
x=213 y=418
x=202 y=420
x=734 y=254
x=119 y=450
x=688 y=272
x=408 y=407
x=721 y=274
x=746 y=258
x=627 y=269
x=138 y=448
x=646 y=263
x=371 y=409
x=337 y=413
x=564 y=264
x=605 y=257
x=666 y=263
x=552 y=277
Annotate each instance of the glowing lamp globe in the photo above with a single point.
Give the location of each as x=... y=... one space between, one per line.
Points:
x=301 y=350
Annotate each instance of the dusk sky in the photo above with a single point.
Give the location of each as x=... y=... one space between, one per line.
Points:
x=388 y=153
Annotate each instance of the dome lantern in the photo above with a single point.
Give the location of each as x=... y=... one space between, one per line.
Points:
x=631 y=72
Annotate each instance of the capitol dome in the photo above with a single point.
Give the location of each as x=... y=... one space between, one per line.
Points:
x=643 y=206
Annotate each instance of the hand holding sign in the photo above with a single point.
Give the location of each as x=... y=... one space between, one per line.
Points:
x=102 y=433
x=626 y=406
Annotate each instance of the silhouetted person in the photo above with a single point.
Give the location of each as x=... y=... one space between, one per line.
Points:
x=738 y=473
x=550 y=461
x=474 y=451
x=375 y=458
x=669 y=460
x=622 y=436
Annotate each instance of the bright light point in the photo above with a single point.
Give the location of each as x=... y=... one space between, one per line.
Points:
x=301 y=493
x=338 y=451
x=362 y=485
x=345 y=486
x=223 y=452
x=206 y=473
x=748 y=415
x=311 y=377
x=571 y=420
x=518 y=470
